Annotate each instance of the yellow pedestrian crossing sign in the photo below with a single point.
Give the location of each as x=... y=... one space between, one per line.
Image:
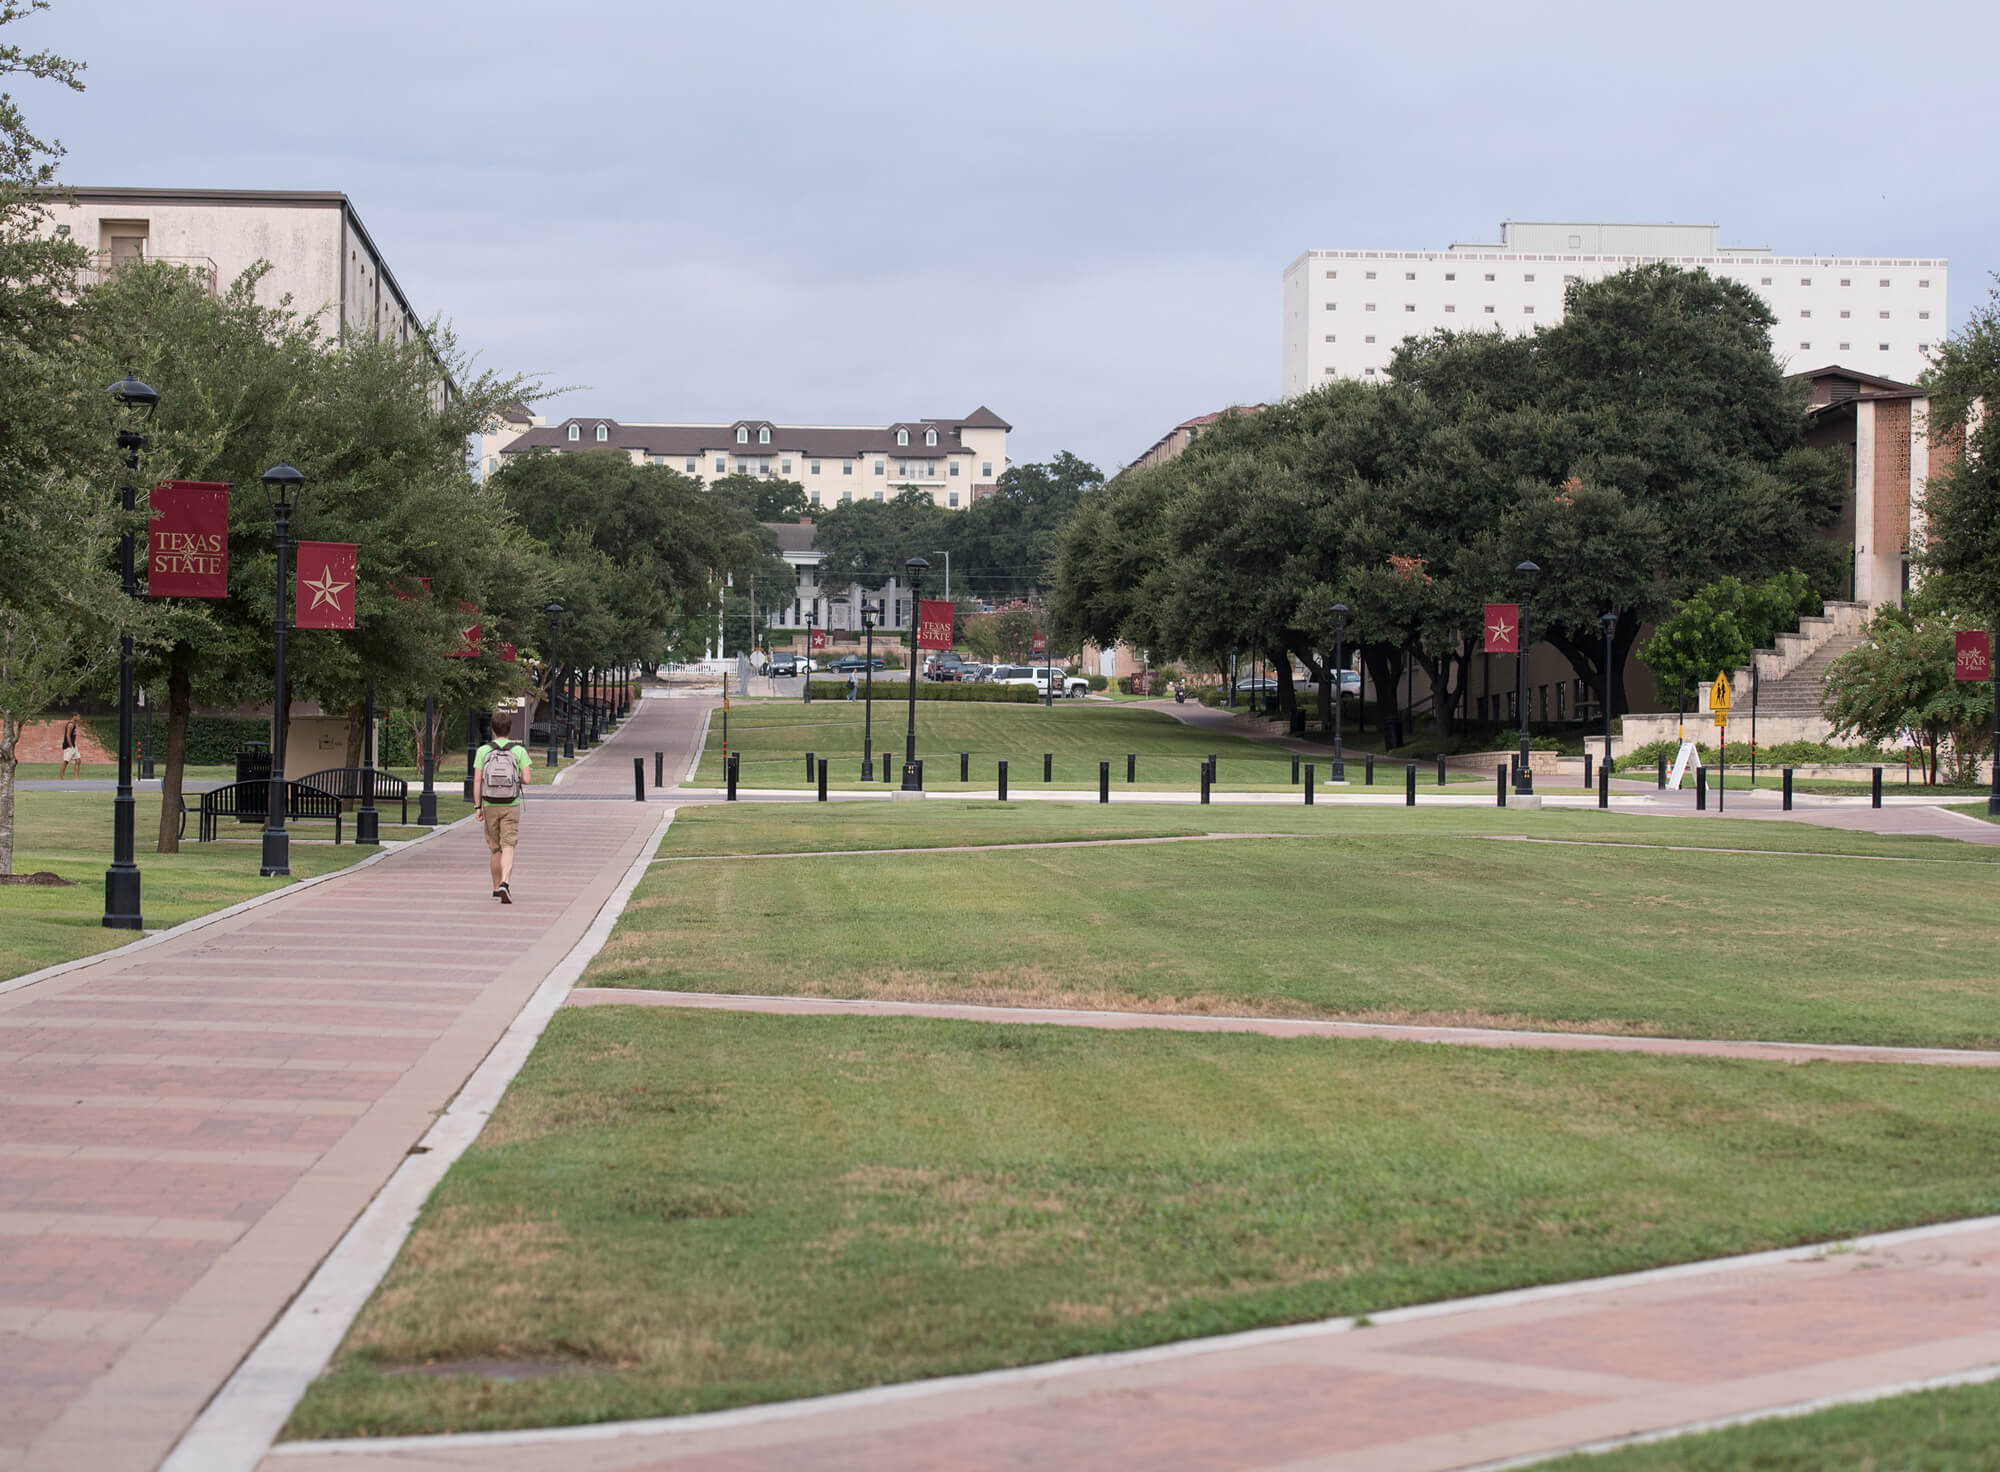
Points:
x=1718 y=699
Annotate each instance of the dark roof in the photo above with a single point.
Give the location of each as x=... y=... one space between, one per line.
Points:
x=810 y=441
x=1859 y=387
x=793 y=536
x=1834 y=370
x=983 y=418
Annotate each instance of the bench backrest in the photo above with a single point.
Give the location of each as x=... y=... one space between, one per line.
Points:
x=347 y=782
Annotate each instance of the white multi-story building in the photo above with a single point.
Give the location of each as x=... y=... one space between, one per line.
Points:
x=1346 y=310
x=956 y=461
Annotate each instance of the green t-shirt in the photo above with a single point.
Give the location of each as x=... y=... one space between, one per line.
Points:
x=521 y=761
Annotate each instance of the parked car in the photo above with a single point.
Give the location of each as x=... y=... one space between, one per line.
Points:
x=1015 y=674
x=853 y=664
x=1070 y=687
x=947 y=666
x=785 y=665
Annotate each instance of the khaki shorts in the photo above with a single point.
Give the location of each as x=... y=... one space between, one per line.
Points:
x=503 y=824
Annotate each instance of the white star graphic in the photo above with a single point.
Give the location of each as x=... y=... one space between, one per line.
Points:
x=1500 y=632
x=326 y=592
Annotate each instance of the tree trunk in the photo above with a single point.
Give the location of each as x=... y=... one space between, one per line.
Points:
x=180 y=704
x=356 y=734
x=10 y=735
x=1288 y=700
x=1384 y=663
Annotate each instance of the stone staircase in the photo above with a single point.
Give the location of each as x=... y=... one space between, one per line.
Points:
x=1789 y=679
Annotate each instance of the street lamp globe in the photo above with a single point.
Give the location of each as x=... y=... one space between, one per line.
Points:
x=282 y=485
x=1526 y=573
x=130 y=406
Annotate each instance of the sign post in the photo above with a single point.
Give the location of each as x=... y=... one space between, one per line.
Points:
x=1718 y=704
x=1973 y=660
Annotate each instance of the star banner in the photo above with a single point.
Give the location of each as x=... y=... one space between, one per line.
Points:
x=1503 y=628
x=817 y=639
x=934 y=623
x=468 y=634
x=1974 y=655
x=187 y=549
x=325 y=585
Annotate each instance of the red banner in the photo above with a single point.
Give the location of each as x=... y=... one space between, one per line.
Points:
x=817 y=639
x=934 y=623
x=468 y=634
x=325 y=585
x=1975 y=656
x=1039 y=644
x=1503 y=628
x=187 y=555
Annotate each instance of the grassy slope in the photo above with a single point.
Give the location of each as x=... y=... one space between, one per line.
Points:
x=679 y=1211
x=69 y=833
x=1387 y=915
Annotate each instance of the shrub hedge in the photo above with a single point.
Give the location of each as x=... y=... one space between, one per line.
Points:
x=1779 y=754
x=992 y=694
x=211 y=740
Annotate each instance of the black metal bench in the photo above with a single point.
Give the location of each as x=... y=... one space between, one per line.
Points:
x=347 y=784
x=229 y=801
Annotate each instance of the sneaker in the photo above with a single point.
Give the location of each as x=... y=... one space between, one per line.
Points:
x=506 y=893
x=496 y=894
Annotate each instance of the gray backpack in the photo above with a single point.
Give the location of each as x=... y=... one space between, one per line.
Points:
x=500 y=778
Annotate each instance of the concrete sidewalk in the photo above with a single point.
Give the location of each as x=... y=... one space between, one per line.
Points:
x=1456 y=1385
x=193 y=1126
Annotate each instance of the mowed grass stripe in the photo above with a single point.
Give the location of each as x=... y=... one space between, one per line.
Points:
x=1403 y=928
x=674 y=1212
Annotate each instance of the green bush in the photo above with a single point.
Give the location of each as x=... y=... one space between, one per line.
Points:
x=1781 y=754
x=211 y=740
x=1102 y=682
x=992 y=694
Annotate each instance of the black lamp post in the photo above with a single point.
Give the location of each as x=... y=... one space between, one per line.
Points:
x=1337 y=772
x=367 y=821
x=146 y=742
x=916 y=567
x=131 y=409
x=427 y=800
x=812 y=619
x=282 y=484
x=554 y=611
x=572 y=720
x=871 y=614
x=1610 y=622
x=1524 y=780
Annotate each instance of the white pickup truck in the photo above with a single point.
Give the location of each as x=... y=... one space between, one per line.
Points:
x=1070 y=687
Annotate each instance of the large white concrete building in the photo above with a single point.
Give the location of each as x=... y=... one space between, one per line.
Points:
x=1346 y=310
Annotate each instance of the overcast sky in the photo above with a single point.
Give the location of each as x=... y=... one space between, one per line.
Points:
x=1077 y=213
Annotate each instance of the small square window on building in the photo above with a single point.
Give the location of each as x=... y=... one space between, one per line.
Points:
x=1884 y=347
x=986 y=469
x=878 y=495
x=690 y=465
x=880 y=467
x=1371 y=275
x=1369 y=308
x=954 y=467
x=1409 y=306
x=1527 y=311
x=1489 y=275
x=1923 y=316
x=1449 y=308
x=847 y=467
x=1329 y=337
x=1883 y=315
x=1845 y=346
x=1367 y=372
x=1333 y=275
x=1806 y=313
x=1845 y=282
x=815 y=466
x=1845 y=313
x=721 y=466
x=1924 y=282
x=1333 y=306
x=1805 y=281
x=1885 y=281
x=954 y=499
x=1571 y=280
x=1529 y=276
x=1327 y=372
x=1451 y=275
x=1409 y=275
x=1765 y=281
x=1369 y=338
x=785 y=466
x=1805 y=344
x=1489 y=311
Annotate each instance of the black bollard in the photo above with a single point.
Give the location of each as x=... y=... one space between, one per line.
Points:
x=734 y=758
x=1104 y=781
x=1368 y=770
x=1207 y=775
x=659 y=769
x=1604 y=785
x=1788 y=789
x=1131 y=766
x=885 y=766
x=1309 y=784
x=1440 y=769
x=1048 y=766
x=822 y=779
x=1500 y=784
x=1701 y=789
x=1295 y=769
x=1663 y=773
x=920 y=774
x=809 y=766
x=638 y=779
x=1588 y=775
x=965 y=766
x=1214 y=771
x=1875 y=788
x=1003 y=781
x=1410 y=785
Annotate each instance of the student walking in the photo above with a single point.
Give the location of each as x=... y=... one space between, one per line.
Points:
x=504 y=772
x=850 y=687
x=72 y=749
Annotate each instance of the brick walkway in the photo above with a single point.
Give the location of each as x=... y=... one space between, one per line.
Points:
x=189 y=1129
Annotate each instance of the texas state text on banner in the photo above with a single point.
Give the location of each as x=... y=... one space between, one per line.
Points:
x=325 y=591
x=187 y=553
x=1974 y=659
x=934 y=623
x=1503 y=628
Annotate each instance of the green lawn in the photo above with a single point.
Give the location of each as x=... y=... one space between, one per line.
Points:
x=1380 y=914
x=69 y=833
x=676 y=1211
x=1952 y=1430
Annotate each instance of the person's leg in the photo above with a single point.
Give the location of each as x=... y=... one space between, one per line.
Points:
x=493 y=863
x=506 y=858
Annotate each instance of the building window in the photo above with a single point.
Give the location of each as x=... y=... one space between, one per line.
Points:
x=1885 y=347
x=878 y=495
x=1332 y=275
x=986 y=469
x=902 y=436
x=1409 y=306
x=1333 y=306
x=1367 y=372
x=1923 y=316
x=1845 y=313
x=1329 y=337
x=880 y=467
x=930 y=436
x=604 y=434
x=1369 y=308
x=1571 y=280
x=1489 y=275
x=815 y=467
x=1805 y=344
x=1845 y=282
x=764 y=434
x=1528 y=276
x=721 y=466
x=1451 y=309
x=1806 y=313
x=1844 y=346
x=1576 y=242
x=815 y=495
x=1409 y=275
x=1527 y=311
x=847 y=467
x=1764 y=281
x=1489 y=311
x=1369 y=338
x=1371 y=275
x=1885 y=282
x=1805 y=281
x=954 y=500
x=742 y=436
x=1924 y=282
x=1883 y=315
x=1326 y=372
x=954 y=467
x=1451 y=275
x=785 y=466
x=575 y=434
x=847 y=498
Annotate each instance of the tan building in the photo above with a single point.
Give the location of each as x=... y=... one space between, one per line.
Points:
x=320 y=254
x=1881 y=429
x=955 y=461
x=1175 y=441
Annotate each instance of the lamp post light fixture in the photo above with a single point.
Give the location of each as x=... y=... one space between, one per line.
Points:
x=282 y=486
x=1610 y=622
x=1337 y=772
x=131 y=410
x=1524 y=781
x=916 y=567
x=554 y=611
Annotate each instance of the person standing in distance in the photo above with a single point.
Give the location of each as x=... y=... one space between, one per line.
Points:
x=72 y=748
x=504 y=773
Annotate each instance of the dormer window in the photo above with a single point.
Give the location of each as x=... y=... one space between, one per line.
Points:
x=930 y=436
x=603 y=434
x=764 y=435
x=575 y=434
x=742 y=436
x=902 y=436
